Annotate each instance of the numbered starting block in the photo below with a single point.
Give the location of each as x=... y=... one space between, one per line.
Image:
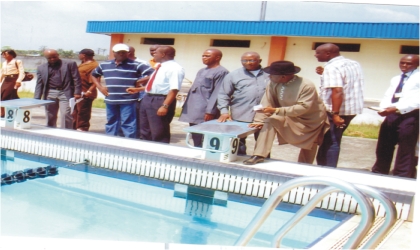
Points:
x=18 y=111
x=221 y=139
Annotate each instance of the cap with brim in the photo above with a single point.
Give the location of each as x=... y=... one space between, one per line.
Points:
x=120 y=47
x=282 y=68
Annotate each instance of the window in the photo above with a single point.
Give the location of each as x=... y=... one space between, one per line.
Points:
x=160 y=41
x=405 y=49
x=344 y=47
x=230 y=43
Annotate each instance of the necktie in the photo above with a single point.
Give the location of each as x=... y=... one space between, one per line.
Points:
x=399 y=89
x=150 y=82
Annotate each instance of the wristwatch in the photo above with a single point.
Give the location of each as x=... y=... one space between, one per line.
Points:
x=166 y=106
x=334 y=112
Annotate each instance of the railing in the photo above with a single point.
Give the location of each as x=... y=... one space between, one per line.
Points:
x=333 y=185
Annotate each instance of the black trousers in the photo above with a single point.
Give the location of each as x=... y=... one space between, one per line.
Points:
x=154 y=127
x=401 y=129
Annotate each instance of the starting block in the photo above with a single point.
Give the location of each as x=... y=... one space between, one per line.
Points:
x=221 y=139
x=18 y=111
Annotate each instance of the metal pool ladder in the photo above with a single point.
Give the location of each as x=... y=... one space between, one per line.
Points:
x=358 y=192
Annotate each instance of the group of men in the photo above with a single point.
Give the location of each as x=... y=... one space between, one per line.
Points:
x=141 y=101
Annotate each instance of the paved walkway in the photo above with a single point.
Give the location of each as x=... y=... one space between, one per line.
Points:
x=356 y=153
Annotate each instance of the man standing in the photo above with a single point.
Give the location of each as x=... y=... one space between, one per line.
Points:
x=401 y=126
x=157 y=107
x=152 y=51
x=58 y=80
x=120 y=74
x=132 y=56
x=341 y=90
x=201 y=103
x=291 y=110
x=242 y=89
x=83 y=108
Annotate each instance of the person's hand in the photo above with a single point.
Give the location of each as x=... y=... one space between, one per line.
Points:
x=224 y=118
x=103 y=90
x=88 y=94
x=388 y=111
x=256 y=125
x=17 y=85
x=77 y=96
x=269 y=111
x=338 y=121
x=134 y=90
x=162 y=111
x=319 y=70
x=208 y=117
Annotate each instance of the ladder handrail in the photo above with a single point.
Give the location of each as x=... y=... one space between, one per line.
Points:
x=300 y=214
x=365 y=204
x=390 y=215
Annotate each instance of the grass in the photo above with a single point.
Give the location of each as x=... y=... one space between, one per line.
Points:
x=370 y=131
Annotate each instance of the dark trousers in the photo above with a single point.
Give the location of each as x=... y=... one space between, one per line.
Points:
x=329 y=151
x=401 y=129
x=81 y=114
x=197 y=138
x=154 y=127
x=242 y=144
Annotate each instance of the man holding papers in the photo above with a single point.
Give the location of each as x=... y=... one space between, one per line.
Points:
x=401 y=126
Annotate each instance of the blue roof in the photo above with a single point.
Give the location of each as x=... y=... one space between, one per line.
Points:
x=260 y=28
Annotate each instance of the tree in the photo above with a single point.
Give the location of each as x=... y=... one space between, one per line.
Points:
x=66 y=53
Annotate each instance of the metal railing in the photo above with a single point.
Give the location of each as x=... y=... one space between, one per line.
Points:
x=333 y=185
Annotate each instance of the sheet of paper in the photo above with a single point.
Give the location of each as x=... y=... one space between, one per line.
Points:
x=258 y=107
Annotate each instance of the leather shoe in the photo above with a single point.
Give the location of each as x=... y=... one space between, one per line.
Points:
x=254 y=160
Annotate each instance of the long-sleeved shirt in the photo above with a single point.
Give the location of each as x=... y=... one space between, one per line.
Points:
x=11 y=69
x=241 y=91
x=409 y=97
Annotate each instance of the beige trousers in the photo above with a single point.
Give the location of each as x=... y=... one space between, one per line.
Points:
x=265 y=142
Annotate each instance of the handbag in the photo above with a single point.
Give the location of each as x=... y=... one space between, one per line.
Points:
x=28 y=76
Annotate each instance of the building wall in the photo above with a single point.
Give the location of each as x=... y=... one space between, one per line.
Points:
x=378 y=58
x=189 y=49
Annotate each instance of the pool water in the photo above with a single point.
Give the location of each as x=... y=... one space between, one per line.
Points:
x=90 y=203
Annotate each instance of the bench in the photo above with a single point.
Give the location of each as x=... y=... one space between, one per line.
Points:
x=221 y=139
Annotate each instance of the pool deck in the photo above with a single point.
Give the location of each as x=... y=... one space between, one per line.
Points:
x=351 y=159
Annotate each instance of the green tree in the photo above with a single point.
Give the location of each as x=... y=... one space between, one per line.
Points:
x=66 y=53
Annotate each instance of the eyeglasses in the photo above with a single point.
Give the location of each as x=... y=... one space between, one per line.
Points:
x=251 y=61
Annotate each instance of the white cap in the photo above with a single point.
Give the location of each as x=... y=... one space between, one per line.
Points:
x=119 y=47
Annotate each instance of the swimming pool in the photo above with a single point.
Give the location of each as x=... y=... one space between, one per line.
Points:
x=91 y=203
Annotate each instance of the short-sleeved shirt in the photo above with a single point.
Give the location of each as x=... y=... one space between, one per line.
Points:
x=169 y=76
x=120 y=77
x=341 y=72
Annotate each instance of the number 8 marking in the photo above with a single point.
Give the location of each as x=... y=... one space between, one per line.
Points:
x=26 y=117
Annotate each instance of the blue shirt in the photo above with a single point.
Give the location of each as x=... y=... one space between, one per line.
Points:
x=120 y=77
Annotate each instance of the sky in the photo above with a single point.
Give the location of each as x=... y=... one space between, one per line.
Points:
x=62 y=24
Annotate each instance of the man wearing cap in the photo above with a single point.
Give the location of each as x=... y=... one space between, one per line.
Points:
x=120 y=74
x=59 y=81
x=83 y=108
x=157 y=107
x=242 y=89
x=292 y=110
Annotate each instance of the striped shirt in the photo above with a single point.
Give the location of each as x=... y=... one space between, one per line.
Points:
x=341 y=72
x=120 y=77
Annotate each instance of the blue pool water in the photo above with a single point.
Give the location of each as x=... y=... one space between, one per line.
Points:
x=91 y=203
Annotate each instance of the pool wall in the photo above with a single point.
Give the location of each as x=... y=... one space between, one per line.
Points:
x=180 y=165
